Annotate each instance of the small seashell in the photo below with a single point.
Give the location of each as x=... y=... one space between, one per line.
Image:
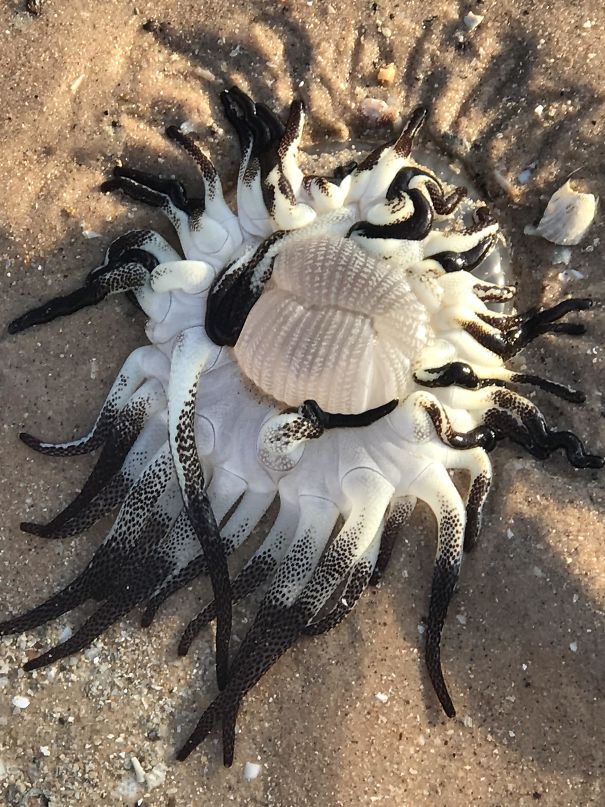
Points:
x=473 y=20
x=567 y=217
x=251 y=771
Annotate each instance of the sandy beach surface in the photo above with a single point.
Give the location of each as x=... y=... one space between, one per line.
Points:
x=349 y=718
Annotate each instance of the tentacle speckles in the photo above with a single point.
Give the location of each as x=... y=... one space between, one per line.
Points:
x=192 y=352
x=476 y=463
x=256 y=571
x=397 y=519
x=142 y=363
x=509 y=341
x=125 y=569
x=435 y=488
x=278 y=623
x=129 y=276
x=108 y=483
x=269 y=177
x=373 y=176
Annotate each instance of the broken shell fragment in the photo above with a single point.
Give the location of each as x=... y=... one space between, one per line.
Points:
x=567 y=217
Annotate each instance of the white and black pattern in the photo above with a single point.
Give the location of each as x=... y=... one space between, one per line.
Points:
x=326 y=351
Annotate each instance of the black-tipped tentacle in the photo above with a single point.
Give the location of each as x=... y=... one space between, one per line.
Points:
x=110 y=611
x=225 y=494
x=480 y=437
x=191 y=353
x=121 y=583
x=461 y=374
x=186 y=142
x=402 y=145
x=251 y=577
x=153 y=190
x=279 y=620
x=563 y=391
x=117 y=278
x=445 y=204
x=507 y=343
x=181 y=578
x=517 y=418
x=235 y=112
x=259 y=131
x=445 y=577
x=342 y=171
x=127 y=564
x=274 y=632
x=311 y=410
x=435 y=487
x=235 y=291
x=108 y=483
x=131 y=376
x=65 y=600
x=414 y=228
x=397 y=519
x=468 y=260
x=259 y=567
x=476 y=463
x=135 y=246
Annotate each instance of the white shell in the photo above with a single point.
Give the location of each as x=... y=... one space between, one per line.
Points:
x=567 y=217
x=334 y=325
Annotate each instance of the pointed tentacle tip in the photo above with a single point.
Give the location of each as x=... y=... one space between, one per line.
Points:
x=31 y=528
x=17 y=325
x=40 y=661
x=30 y=441
x=147 y=617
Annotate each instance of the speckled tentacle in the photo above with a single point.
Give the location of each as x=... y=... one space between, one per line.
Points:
x=436 y=489
x=509 y=414
x=461 y=374
x=507 y=342
x=126 y=586
x=224 y=491
x=192 y=352
x=357 y=582
x=142 y=363
x=125 y=275
x=109 y=481
x=269 y=179
x=369 y=495
x=399 y=516
x=517 y=418
x=277 y=625
x=259 y=134
x=255 y=572
x=372 y=178
x=118 y=568
x=476 y=463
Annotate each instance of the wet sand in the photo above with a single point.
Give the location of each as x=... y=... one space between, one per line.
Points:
x=84 y=86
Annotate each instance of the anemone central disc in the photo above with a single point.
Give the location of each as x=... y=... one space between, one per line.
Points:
x=334 y=325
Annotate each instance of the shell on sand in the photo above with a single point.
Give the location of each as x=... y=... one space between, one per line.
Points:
x=567 y=217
